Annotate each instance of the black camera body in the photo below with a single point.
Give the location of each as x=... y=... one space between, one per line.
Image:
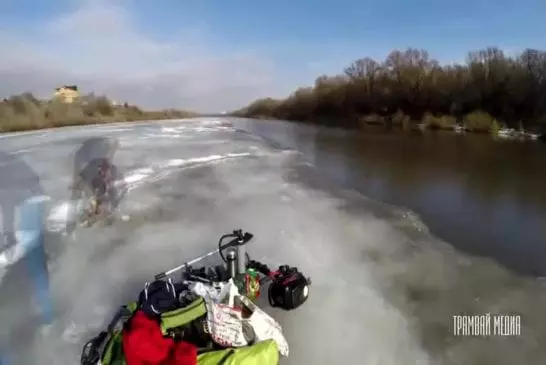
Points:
x=289 y=288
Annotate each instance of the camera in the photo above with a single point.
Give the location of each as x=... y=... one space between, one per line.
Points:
x=289 y=288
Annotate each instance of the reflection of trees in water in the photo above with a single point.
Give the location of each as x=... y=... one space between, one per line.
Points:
x=390 y=165
x=331 y=157
x=485 y=169
x=508 y=169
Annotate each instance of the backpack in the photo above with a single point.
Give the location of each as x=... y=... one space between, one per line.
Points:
x=185 y=323
x=106 y=348
x=261 y=353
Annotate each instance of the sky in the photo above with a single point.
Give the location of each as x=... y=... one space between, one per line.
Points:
x=216 y=55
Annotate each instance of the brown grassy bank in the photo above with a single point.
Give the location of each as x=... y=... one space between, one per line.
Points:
x=25 y=112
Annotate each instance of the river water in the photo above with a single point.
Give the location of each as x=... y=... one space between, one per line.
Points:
x=483 y=196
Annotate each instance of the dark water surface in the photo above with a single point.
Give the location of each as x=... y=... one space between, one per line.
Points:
x=484 y=196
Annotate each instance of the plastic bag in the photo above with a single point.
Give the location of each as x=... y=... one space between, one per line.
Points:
x=224 y=321
x=219 y=293
x=264 y=326
x=226 y=324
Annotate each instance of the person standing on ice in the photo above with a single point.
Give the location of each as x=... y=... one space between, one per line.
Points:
x=95 y=173
x=22 y=253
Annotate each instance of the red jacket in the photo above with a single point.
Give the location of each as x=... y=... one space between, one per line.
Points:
x=143 y=344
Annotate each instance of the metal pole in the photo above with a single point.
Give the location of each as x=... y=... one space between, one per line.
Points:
x=180 y=267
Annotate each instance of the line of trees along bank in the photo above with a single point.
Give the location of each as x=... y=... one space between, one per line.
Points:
x=409 y=86
x=26 y=112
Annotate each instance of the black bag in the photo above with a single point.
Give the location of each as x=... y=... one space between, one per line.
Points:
x=158 y=297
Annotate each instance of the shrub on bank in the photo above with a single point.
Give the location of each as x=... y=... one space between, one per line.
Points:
x=371 y=119
x=261 y=107
x=480 y=121
x=25 y=112
x=402 y=120
x=439 y=122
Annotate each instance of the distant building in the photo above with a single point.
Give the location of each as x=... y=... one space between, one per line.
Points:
x=66 y=93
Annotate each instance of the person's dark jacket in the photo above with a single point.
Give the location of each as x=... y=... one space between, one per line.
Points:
x=88 y=159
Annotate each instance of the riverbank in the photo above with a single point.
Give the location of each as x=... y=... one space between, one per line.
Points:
x=474 y=123
x=477 y=123
x=25 y=113
x=410 y=89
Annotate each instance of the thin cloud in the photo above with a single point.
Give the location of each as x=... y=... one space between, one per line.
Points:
x=98 y=46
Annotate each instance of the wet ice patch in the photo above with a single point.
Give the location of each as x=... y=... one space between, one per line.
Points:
x=60 y=214
x=202 y=159
x=214 y=129
x=134 y=178
x=213 y=122
x=171 y=129
x=25 y=151
x=38 y=199
x=202 y=127
x=177 y=162
x=160 y=136
x=73 y=333
x=117 y=130
x=144 y=171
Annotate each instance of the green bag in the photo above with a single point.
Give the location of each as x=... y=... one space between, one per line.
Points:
x=112 y=354
x=261 y=353
x=183 y=316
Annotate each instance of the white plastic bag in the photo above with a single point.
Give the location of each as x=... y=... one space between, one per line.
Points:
x=224 y=322
x=225 y=325
x=219 y=293
x=264 y=326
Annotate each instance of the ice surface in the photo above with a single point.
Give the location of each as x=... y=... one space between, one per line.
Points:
x=383 y=291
